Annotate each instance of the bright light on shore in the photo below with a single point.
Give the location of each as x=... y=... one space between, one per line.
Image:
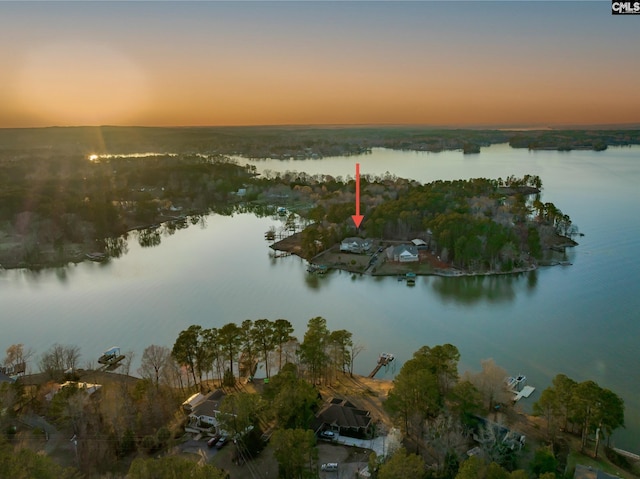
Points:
x=94 y=158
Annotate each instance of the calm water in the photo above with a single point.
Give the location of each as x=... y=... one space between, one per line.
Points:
x=580 y=320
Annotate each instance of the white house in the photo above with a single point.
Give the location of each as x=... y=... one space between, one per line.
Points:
x=355 y=245
x=403 y=253
x=204 y=415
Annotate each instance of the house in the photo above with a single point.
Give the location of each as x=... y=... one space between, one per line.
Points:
x=204 y=415
x=88 y=388
x=588 y=472
x=355 y=245
x=343 y=417
x=403 y=253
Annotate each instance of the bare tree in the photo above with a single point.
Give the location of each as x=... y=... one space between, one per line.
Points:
x=126 y=362
x=490 y=382
x=16 y=358
x=356 y=349
x=59 y=358
x=154 y=360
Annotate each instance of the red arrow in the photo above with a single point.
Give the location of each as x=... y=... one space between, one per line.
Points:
x=357 y=218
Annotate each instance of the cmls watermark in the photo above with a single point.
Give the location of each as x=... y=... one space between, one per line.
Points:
x=625 y=8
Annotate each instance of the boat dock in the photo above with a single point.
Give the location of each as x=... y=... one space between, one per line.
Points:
x=515 y=385
x=383 y=360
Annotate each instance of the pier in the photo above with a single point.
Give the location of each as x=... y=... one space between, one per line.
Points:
x=383 y=360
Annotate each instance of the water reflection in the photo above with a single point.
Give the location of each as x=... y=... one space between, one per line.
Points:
x=470 y=290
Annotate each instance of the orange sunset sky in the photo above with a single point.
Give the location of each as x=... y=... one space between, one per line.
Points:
x=255 y=63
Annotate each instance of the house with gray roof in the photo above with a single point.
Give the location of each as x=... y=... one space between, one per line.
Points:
x=403 y=253
x=204 y=414
x=341 y=416
x=355 y=245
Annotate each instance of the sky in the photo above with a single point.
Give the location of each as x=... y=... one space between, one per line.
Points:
x=459 y=64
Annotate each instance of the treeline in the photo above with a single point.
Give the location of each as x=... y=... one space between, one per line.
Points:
x=232 y=348
x=584 y=408
x=287 y=142
x=475 y=224
x=53 y=206
x=566 y=140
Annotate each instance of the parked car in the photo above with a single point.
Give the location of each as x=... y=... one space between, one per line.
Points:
x=330 y=466
x=329 y=435
x=222 y=442
x=212 y=442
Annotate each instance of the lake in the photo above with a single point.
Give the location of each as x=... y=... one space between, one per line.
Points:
x=580 y=320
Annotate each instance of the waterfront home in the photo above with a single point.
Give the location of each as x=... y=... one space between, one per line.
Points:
x=403 y=253
x=341 y=416
x=355 y=245
x=204 y=414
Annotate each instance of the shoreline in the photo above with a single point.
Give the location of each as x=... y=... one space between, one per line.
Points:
x=428 y=264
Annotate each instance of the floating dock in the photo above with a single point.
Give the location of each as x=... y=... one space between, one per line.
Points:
x=383 y=360
x=525 y=393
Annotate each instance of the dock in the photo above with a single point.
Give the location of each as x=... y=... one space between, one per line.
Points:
x=525 y=393
x=383 y=360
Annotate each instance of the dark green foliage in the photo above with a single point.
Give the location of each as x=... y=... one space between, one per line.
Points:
x=296 y=453
x=171 y=467
x=293 y=402
x=402 y=465
x=24 y=463
x=543 y=461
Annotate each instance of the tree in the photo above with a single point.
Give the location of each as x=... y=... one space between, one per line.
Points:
x=154 y=360
x=355 y=349
x=230 y=337
x=465 y=401
x=240 y=412
x=170 y=467
x=339 y=342
x=442 y=361
x=282 y=334
x=543 y=461
x=414 y=397
x=402 y=465
x=185 y=349
x=17 y=357
x=248 y=347
x=59 y=358
x=24 y=463
x=263 y=333
x=313 y=349
x=490 y=382
x=296 y=452
x=293 y=401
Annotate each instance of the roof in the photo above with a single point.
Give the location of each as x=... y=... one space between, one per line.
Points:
x=404 y=249
x=211 y=405
x=342 y=413
x=4 y=378
x=588 y=472
x=419 y=242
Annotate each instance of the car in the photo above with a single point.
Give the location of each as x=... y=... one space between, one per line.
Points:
x=212 y=442
x=221 y=442
x=330 y=466
x=330 y=435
